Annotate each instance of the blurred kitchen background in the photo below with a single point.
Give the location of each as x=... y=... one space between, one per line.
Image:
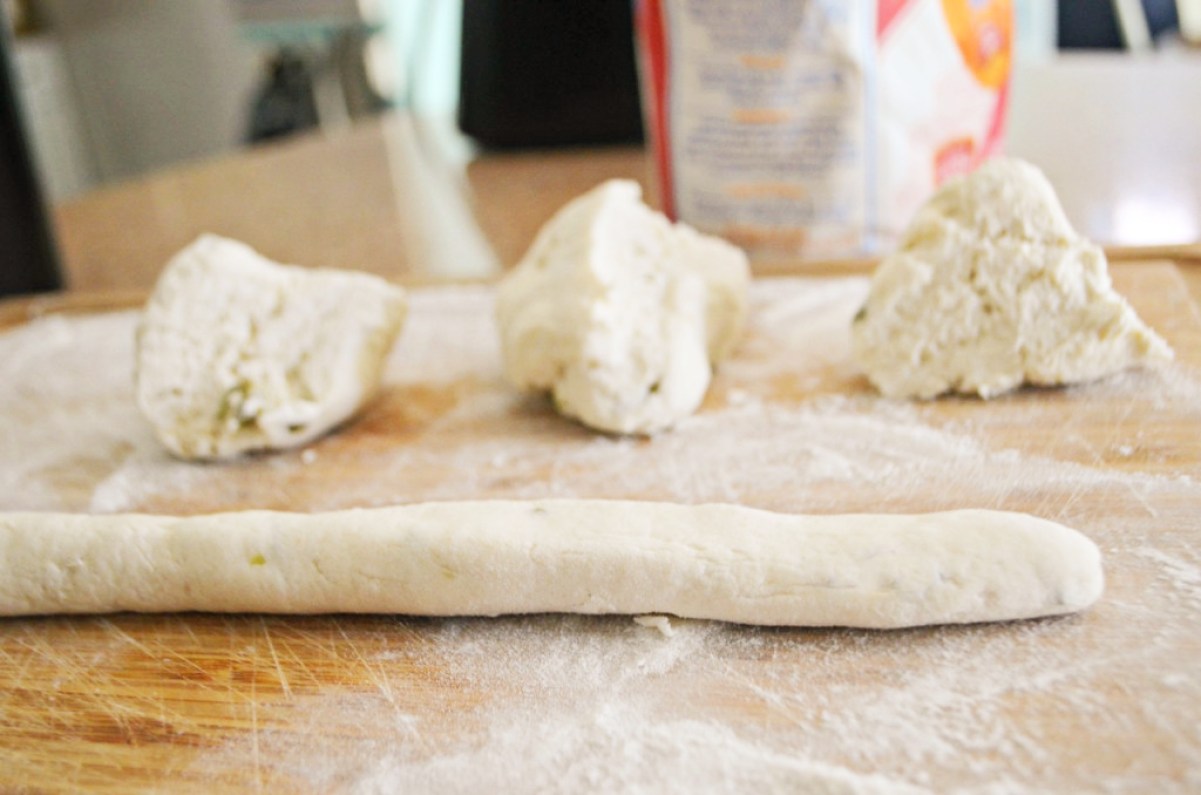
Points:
x=113 y=89
x=114 y=92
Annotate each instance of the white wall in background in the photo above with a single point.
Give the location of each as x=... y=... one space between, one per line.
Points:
x=51 y=117
x=156 y=81
x=1189 y=12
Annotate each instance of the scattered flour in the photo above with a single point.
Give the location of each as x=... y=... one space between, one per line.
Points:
x=68 y=420
x=576 y=704
x=614 y=750
x=72 y=439
x=1183 y=575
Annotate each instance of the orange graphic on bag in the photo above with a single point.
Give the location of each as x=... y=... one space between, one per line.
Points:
x=983 y=29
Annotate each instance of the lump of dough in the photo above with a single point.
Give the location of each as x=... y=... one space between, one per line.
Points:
x=236 y=353
x=991 y=288
x=619 y=313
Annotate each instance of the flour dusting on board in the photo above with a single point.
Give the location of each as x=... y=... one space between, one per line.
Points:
x=68 y=420
x=585 y=705
x=572 y=704
x=72 y=439
x=575 y=704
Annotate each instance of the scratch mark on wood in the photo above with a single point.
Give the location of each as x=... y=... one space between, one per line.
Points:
x=375 y=674
x=125 y=636
x=279 y=670
x=254 y=729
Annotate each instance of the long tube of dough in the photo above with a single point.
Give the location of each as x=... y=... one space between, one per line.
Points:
x=721 y=562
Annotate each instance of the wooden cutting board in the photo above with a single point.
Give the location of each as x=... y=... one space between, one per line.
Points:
x=1107 y=700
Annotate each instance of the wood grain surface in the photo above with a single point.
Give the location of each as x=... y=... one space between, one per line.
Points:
x=1107 y=700
x=359 y=198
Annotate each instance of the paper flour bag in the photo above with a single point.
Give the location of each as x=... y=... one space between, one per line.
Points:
x=815 y=128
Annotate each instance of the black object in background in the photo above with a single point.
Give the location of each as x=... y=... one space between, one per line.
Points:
x=1092 y=24
x=548 y=72
x=27 y=258
x=285 y=104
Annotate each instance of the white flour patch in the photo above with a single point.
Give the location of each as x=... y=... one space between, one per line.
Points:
x=67 y=414
x=1184 y=576
x=570 y=705
x=573 y=704
x=614 y=749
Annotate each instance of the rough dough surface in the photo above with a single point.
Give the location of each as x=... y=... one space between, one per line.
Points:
x=991 y=288
x=620 y=314
x=236 y=353
x=716 y=561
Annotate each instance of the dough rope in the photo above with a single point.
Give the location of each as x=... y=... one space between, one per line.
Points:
x=722 y=562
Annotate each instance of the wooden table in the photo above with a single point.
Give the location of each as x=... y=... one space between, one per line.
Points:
x=1109 y=700
x=395 y=196
x=1106 y=701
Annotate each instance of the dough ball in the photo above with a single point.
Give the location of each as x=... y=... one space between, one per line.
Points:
x=620 y=314
x=236 y=353
x=991 y=288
